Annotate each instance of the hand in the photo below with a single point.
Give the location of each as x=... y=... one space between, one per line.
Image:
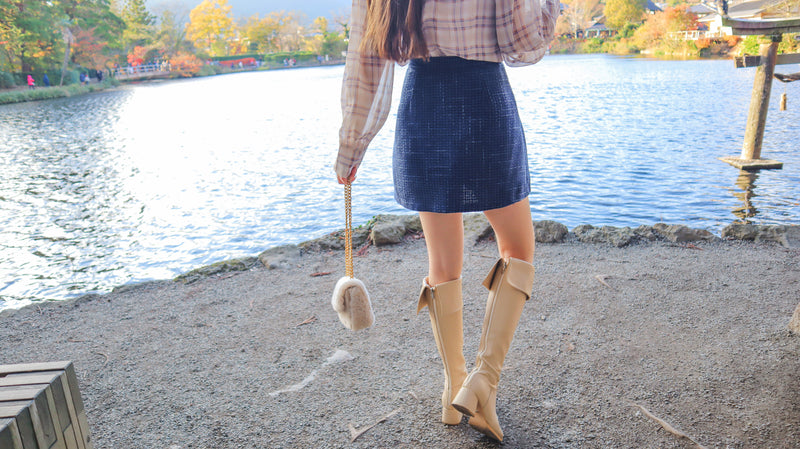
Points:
x=349 y=179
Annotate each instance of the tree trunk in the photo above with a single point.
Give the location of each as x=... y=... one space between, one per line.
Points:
x=67 y=48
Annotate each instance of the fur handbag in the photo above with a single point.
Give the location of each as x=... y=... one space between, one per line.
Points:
x=350 y=297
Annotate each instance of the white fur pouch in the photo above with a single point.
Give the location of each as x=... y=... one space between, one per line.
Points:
x=351 y=301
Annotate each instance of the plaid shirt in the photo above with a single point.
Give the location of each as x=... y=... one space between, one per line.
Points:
x=515 y=31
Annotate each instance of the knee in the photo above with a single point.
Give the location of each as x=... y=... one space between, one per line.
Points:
x=521 y=252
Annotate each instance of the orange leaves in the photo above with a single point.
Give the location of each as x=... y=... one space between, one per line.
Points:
x=136 y=57
x=185 y=65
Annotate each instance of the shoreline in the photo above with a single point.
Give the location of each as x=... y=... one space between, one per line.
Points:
x=22 y=94
x=391 y=229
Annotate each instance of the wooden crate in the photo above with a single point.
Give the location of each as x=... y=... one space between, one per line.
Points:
x=41 y=407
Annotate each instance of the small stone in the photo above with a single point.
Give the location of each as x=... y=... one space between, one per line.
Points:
x=681 y=233
x=280 y=256
x=548 y=231
x=740 y=231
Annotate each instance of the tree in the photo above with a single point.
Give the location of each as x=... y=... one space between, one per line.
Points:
x=623 y=12
x=323 y=41
x=211 y=27
x=656 y=27
x=88 y=50
x=579 y=15
x=138 y=24
x=30 y=38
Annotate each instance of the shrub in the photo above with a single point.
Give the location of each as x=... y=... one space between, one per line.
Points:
x=206 y=70
x=732 y=40
x=6 y=80
x=593 y=45
x=750 y=45
x=185 y=65
x=702 y=43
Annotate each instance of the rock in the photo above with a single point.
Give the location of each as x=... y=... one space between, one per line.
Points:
x=772 y=234
x=740 y=231
x=390 y=229
x=280 y=256
x=680 y=233
x=476 y=227
x=646 y=233
x=793 y=236
x=548 y=231
x=220 y=267
x=335 y=241
x=784 y=235
x=618 y=237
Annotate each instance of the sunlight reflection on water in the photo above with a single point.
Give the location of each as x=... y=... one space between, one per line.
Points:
x=155 y=179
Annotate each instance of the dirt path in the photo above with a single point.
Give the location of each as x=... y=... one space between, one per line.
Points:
x=695 y=334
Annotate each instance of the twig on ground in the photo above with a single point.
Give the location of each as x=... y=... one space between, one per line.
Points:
x=413 y=395
x=602 y=279
x=355 y=433
x=320 y=273
x=363 y=250
x=104 y=355
x=669 y=428
x=692 y=246
x=308 y=320
x=75 y=340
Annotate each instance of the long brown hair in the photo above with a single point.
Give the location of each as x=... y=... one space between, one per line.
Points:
x=393 y=30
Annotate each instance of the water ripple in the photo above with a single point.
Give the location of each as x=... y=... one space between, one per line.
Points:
x=152 y=180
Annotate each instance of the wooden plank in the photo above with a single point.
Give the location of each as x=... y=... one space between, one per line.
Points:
x=754 y=60
x=33 y=367
x=77 y=402
x=21 y=392
x=9 y=434
x=12 y=408
x=18 y=379
x=765 y=27
x=25 y=431
x=61 y=408
x=752 y=164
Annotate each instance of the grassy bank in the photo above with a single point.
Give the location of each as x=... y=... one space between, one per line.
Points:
x=46 y=93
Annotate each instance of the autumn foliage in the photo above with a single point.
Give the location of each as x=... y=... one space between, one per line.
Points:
x=185 y=64
x=136 y=56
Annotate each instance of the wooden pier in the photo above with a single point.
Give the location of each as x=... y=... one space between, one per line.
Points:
x=751 y=159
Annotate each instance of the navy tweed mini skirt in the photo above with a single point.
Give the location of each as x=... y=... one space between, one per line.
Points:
x=459 y=144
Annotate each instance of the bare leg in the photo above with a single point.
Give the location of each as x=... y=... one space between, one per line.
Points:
x=444 y=238
x=513 y=229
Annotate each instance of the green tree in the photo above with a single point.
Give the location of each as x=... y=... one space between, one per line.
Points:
x=265 y=33
x=139 y=24
x=323 y=41
x=30 y=38
x=622 y=12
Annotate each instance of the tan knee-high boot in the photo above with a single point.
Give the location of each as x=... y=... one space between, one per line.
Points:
x=510 y=283
x=445 y=307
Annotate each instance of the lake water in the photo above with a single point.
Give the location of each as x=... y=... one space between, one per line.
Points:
x=152 y=180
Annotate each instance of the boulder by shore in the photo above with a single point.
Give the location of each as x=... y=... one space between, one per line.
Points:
x=687 y=325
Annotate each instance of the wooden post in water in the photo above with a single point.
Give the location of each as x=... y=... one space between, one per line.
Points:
x=750 y=158
x=759 y=101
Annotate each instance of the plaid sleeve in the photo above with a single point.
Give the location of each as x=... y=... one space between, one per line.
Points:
x=525 y=29
x=366 y=96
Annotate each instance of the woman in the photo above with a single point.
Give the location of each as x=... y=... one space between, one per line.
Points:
x=459 y=147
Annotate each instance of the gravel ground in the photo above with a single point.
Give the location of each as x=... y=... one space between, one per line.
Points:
x=696 y=334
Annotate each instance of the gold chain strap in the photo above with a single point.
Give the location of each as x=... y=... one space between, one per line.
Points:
x=348 y=232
